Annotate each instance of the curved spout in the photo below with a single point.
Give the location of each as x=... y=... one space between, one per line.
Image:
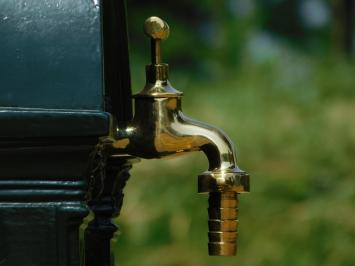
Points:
x=160 y=129
x=216 y=145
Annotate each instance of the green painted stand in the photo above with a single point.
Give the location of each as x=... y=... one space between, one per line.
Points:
x=55 y=102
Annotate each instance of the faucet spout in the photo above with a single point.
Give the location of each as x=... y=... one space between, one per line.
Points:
x=171 y=133
x=216 y=145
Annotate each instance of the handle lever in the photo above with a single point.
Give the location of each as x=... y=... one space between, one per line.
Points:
x=157 y=29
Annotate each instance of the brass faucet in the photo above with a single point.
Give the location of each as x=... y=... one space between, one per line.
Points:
x=160 y=129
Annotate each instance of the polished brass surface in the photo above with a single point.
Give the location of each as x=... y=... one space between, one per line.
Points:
x=159 y=129
x=157 y=29
x=223 y=223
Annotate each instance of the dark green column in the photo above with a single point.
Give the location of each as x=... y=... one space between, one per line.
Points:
x=55 y=102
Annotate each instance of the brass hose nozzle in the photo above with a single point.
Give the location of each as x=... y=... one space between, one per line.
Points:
x=223 y=187
x=223 y=223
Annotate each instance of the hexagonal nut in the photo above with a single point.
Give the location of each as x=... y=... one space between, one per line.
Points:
x=225 y=180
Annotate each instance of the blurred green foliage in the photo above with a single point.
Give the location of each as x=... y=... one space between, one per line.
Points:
x=291 y=113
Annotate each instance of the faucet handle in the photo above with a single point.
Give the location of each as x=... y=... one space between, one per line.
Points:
x=157 y=29
x=157 y=73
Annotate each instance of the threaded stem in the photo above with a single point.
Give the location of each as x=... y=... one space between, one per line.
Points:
x=223 y=223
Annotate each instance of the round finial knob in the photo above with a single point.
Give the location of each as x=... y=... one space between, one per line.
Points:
x=156 y=28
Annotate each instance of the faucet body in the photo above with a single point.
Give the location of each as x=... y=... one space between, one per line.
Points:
x=159 y=129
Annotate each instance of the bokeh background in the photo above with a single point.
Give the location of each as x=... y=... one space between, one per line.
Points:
x=278 y=76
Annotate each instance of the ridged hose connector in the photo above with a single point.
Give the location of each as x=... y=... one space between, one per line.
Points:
x=223 y=223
